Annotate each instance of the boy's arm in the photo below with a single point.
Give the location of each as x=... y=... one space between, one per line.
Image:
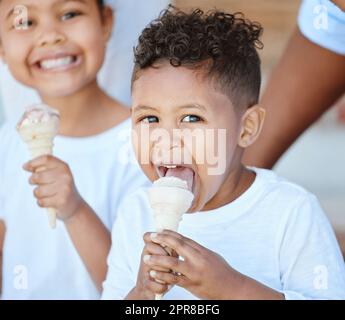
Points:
x=310 y=263
x=203 y=272
x=307 y=81
x=2 y=237
x=92 y=241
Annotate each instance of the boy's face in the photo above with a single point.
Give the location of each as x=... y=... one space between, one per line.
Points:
x=54 y=46
x=180 y=119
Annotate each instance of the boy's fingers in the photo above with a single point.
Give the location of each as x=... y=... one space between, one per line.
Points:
x=153 y=248
x=156 y=287
x=167 y=263
x=183 y=246
x=177 y=235
x=168 y=278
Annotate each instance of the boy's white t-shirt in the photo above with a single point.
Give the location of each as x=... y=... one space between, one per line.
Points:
x=40 y=263
x=323 y=23
x=275 y=233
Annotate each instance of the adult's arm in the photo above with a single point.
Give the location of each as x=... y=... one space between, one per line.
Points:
x=307 y=81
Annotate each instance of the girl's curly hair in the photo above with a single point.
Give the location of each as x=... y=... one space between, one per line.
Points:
x=223 y=43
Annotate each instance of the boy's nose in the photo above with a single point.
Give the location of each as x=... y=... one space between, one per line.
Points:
x=167 y=148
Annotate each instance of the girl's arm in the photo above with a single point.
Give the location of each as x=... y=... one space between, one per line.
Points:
x=92 y=241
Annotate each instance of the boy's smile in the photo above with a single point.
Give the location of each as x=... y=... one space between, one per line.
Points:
x=53 y=46
x=177 y=106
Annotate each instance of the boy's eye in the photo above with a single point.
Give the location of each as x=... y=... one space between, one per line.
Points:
x=149 y=119
x=70 y=15
x=191 y=118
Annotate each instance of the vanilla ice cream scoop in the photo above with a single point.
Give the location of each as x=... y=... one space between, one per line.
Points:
x=38 y=127
x=170 y=199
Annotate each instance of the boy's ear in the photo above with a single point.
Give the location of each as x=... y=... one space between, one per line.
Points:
x=252 y=123
x=108 y=22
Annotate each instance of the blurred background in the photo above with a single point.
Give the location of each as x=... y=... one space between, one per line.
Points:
x=317 y=160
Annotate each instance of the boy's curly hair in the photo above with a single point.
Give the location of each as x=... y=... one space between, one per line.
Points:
x=223 y=44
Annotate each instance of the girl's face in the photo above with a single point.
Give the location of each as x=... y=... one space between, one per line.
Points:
x=54 y=46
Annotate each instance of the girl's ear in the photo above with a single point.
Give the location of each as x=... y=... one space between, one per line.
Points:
x=108 y=22
x=252 y=123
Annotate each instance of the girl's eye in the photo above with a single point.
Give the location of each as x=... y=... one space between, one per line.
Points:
x=149 y=119
x=191 y=118
x=70 y=15
x=22 y=24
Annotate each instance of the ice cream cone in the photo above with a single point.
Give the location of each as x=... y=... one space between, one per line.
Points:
x=38 y=128
x=169 y=199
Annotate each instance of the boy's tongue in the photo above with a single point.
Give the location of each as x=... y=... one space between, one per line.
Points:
x=182 y=173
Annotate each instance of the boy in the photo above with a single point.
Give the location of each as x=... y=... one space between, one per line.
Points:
x=248 y=233
x=57 y=48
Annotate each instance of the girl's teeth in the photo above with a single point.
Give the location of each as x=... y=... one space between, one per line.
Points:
x=56 y=63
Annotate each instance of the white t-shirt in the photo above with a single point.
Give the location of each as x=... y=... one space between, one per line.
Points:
x=275 y=233
x=131 y=17
x=323 y=23
x=40 y=263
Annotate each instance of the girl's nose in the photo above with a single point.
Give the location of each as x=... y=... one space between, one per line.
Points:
x=51 y=37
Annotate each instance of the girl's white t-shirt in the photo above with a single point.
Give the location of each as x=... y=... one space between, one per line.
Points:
x=40 y=263
x=323 y=23
x=275 y=233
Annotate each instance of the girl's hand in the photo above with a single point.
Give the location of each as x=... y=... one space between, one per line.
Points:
x=55 y=186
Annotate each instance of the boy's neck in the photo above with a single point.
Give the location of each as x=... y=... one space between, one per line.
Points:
x=238 y=181
x=88 y=112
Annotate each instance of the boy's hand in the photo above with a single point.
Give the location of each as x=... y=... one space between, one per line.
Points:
x=147 y=287
x=55 y=186
x=203 y=272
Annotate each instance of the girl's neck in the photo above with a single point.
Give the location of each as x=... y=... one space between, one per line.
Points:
x=88 y=112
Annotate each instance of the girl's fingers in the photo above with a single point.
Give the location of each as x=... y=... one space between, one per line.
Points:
x=46 y=191
x=46 y=161
x=49 y=202
x=42 y=178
